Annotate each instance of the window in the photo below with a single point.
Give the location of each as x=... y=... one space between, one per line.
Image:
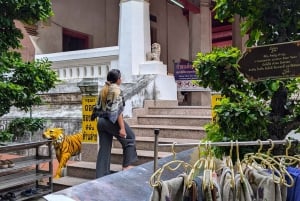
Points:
x=73 y=40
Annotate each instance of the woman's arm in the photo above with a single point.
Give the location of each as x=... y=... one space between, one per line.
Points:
x=122 y=131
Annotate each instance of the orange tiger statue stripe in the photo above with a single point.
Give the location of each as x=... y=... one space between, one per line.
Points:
x=65 y=146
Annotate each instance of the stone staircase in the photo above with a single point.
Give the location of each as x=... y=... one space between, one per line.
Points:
x=181 y=124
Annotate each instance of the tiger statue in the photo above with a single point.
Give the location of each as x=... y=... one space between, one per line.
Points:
x=65 y=146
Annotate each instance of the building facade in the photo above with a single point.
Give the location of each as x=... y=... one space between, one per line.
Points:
x=181 y=27
x=83 y=41
x=181 y=32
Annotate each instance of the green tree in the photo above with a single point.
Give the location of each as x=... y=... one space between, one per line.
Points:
x=29 y=12
x=21 y=81
x=263 y=109
x=265 y=22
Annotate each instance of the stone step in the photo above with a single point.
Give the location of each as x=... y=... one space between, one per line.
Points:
x=80 y=172
x=160 y=103
x=170 y=131
x=181 y=110
x=144 y=156
x=178 y=120
x=181 y=124
x=86 y=169
x=66 y=182
x=147 y=143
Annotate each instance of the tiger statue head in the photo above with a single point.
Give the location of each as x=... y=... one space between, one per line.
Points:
x=65 y=146
x=55 y=134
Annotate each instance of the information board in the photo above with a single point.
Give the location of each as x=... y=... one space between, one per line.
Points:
x=271 y=61
x=89 y=127
x=185 y=75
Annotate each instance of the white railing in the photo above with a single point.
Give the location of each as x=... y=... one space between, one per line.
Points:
x=91 y=63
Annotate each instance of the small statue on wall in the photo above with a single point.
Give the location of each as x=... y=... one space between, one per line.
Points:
x=154 y=55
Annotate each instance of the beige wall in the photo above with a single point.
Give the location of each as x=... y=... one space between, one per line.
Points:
x=178 y=38
x=97 y=18
x=158 y=8
x=112 y=22
x=27 y=49
x=49 y=39
x=172 y=32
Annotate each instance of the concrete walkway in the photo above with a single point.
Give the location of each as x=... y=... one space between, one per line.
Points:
x=129 y=185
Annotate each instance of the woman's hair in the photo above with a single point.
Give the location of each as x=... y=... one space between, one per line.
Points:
x=113 y=75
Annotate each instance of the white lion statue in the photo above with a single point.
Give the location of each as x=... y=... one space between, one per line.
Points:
x=154 y=55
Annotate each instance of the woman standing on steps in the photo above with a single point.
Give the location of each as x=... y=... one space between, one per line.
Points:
x=111 y=123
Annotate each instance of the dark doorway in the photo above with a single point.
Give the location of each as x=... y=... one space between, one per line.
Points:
x=73 y=40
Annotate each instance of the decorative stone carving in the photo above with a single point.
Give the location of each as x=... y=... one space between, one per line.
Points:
x=63 y=98
x=154 y=55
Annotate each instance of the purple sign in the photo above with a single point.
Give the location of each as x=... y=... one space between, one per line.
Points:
x=184 y=71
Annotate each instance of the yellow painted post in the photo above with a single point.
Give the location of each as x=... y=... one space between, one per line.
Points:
x=215 y=100
x=89 y=90
x=89 y=127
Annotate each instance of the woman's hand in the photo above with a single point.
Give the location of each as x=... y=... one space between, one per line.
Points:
x=121 y=123
x=122 y=132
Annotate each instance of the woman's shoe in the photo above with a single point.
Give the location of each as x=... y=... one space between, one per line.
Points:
x=128 y=167
x=10 y=163
x=3 y=164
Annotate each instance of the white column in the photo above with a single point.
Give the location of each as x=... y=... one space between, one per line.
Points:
x=194 y=32
x=205 y=23
x=134 y=36
x=237 y=39
x=200 y=30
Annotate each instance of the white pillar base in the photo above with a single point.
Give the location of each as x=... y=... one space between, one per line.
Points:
x=153 y=67
x=165 y=88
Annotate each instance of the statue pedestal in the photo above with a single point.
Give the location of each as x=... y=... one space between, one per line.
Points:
x=153 y=67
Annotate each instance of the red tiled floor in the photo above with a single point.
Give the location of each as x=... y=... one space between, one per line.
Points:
x=43 y=166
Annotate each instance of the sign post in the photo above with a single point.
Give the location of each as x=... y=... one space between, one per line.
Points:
x=215 y=100
x=89 y=91
x=89 y=127
x=184 y=74
x=271 y=61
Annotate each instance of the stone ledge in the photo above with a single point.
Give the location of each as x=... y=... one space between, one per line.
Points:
x=153 y=67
